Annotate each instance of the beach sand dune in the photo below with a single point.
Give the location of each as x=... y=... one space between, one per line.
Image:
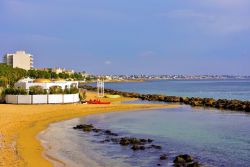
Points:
x=20 y=124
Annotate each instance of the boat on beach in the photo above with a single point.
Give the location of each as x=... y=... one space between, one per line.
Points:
x=97 y=101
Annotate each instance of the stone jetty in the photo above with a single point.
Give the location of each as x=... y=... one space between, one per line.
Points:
x=224 y=104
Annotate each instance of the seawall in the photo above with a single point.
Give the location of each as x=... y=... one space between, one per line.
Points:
x=225 y=104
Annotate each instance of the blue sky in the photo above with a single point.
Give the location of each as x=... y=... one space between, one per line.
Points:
x=131 y=37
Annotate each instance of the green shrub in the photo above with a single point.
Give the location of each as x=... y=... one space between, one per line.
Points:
x=1 y=91
x=37 y=90
x=15 y=91
x=66 y=91
x=3 y=81
x=82 y=95
x=74 y=90
x=55 y=90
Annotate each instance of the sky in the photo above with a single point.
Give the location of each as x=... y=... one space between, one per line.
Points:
x=189 y=37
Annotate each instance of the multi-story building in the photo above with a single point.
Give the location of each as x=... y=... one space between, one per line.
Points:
x=20 y=59
x=62 y=70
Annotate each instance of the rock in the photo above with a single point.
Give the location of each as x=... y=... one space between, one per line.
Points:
x=84 y=127
x=183 y=160
x=179 y=160
x=163 y=157
x=115 y=140
x=150 y=140
x=124 y=141
x=135 y=141
x=137 y=147
x=156 y=146
x=194 y=164
x=143 y=140
x=96 y=130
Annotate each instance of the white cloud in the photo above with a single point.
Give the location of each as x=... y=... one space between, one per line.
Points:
x=107 y=62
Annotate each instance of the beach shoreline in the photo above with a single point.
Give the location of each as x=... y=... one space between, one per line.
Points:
x=20 y=125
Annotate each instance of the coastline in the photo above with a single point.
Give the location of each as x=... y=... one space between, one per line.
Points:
x=20 y=125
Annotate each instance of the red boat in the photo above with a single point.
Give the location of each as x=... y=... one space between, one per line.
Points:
x=97 y=102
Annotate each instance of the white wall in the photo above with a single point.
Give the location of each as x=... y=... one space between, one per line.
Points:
x=42 y=99
x=68 y=98
x=11 y=99
x=39 y=99
x=76 y=98
x=24 y=99
x=53 y=99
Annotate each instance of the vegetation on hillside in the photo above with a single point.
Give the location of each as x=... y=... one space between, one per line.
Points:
x=9 y=75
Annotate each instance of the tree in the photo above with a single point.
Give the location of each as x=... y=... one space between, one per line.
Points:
x=36 y=90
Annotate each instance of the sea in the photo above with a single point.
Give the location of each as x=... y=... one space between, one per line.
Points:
x=212 y=137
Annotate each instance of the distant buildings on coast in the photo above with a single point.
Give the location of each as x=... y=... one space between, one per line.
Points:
x=173 y=77
x=24 y=60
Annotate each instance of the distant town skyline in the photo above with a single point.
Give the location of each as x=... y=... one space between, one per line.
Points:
x=130 y=37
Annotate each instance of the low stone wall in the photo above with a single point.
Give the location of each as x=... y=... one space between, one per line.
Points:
x=42 y=99
x=235 y=105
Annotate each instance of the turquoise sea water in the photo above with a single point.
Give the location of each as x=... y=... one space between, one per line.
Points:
x=213 y=137
x=227 y=89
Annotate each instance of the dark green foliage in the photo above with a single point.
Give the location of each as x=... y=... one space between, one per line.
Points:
x=3 y=81
x=37 y=90
x=74 y=90
x=54 y=75
x=66 y=91
x=55 y=90
x=15 y=91
x=64 y=75
x=82 y=95
x=10 y=75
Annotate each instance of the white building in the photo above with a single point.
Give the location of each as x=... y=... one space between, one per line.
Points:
x=20 y=59
x=45 y=83
x=43 y=98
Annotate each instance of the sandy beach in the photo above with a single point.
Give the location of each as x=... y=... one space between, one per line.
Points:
x=20 y=125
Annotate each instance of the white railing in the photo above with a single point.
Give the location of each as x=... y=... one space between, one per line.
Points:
x=42 y=99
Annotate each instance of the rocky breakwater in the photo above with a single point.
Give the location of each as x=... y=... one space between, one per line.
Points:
x=138 y=145
x=235 y=105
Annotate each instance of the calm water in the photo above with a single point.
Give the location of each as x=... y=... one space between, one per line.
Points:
x=228 y=89
x=212 y=137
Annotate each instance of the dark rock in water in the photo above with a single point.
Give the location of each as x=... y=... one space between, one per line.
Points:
x=150 y=140
x=84 y=127
x=158 y=164
x=143 y=140
x=105 y=141
x=135 y=141
x=194 y=164
x=163 y=157
x=137 y=147
x=156 y=146
x=124 y=141
x=96 y=130
x=115 y=140
x=108 y=132
x=185 y=160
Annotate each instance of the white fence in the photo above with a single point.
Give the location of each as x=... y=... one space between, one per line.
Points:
x=42 y=99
